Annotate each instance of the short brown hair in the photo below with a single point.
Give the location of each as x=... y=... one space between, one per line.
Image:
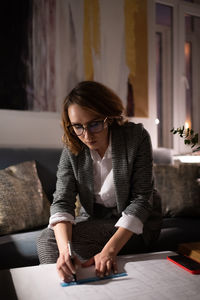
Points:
x=95 y=97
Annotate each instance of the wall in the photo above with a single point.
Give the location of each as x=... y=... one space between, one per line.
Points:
x=42 y=129
x=30 y=129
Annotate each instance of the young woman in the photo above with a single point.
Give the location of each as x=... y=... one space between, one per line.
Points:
x=107 y=162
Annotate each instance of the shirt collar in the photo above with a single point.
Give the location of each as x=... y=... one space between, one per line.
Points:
x=108 y=154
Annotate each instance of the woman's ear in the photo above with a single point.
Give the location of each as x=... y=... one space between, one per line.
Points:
x=116 y=119
x=110 y=120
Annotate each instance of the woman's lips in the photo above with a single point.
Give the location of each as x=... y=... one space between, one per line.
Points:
x=91 y=142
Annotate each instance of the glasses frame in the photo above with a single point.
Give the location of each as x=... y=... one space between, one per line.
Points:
x=84 y=128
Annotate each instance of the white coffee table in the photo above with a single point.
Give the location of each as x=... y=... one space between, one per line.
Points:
x=150 y=276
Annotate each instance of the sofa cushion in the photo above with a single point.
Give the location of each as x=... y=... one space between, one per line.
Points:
x=23 y=203
x=47 y=160
x=179 y=189
x=19 y=249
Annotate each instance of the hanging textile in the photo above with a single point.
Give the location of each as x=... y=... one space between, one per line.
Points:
x=136 y=56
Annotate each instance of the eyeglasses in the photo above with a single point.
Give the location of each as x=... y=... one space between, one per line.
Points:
x=92 y=127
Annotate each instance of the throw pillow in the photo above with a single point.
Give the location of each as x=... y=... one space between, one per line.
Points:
x=179 y=189
x=23 y=204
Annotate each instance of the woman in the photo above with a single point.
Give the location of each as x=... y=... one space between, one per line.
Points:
x=107 y=162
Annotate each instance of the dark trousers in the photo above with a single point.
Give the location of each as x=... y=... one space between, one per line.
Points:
x=89 y=238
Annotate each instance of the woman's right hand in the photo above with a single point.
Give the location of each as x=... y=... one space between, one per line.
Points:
x=65 y=267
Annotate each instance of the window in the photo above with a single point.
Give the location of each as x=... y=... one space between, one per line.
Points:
x=177 y=45
x=164 y=74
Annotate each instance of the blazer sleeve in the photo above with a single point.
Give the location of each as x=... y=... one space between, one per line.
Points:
x=141 y=185
x=64 y=197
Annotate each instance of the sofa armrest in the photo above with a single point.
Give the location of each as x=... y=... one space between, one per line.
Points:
x=162 y=156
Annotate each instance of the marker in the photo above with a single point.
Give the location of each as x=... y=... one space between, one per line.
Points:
x=71 y=254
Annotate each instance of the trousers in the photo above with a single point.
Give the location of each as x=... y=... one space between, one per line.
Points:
x=88 y=239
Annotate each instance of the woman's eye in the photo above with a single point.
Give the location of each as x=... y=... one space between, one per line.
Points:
x=94 y=124
x=77 y=126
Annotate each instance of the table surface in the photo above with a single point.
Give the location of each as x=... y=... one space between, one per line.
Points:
x=150 y=276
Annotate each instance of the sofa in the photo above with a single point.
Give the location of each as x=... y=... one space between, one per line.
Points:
x=18 y=247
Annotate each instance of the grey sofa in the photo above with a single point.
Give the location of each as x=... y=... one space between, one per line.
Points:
x=19 y=249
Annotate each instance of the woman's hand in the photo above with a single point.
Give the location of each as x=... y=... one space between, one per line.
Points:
x=105 y=263
x=65 y=267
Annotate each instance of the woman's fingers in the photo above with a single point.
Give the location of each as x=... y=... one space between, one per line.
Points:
x=65 y=268
x=102 y=269
x=63 y=271
x=111 y=265
x=108 y=267
x=114 y=267
x=105 y=266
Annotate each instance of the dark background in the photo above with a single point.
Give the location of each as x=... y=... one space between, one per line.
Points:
x=15 y=33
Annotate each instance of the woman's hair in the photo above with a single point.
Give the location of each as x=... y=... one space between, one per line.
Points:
x=95 y=97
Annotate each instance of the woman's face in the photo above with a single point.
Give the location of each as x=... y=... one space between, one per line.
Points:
x=79 y=115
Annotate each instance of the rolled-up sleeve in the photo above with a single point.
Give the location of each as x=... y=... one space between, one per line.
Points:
x=60 y=217
x=131 y=223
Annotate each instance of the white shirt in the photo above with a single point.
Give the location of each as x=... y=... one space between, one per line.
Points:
x=104 y=190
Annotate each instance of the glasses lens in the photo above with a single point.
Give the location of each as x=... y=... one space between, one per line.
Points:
x=76 y=129
x=95 y=126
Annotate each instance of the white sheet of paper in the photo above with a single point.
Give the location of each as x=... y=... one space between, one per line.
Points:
x=150 y=276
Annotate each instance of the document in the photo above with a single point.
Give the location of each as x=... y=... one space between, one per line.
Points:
x=150 y=276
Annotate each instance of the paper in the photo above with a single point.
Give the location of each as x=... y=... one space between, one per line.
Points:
x=150 y=277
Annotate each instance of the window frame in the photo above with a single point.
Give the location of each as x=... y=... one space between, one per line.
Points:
x=180 y=8
x=194 y=10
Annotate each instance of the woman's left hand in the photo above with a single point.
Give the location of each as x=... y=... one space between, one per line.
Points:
x=105 y=263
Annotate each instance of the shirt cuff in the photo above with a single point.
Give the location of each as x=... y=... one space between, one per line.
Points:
x=60 y=217
x=131 y=223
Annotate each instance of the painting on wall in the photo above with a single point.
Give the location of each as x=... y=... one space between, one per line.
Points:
x=69 y=41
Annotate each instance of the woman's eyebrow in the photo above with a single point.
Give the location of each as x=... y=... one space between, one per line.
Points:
x=93 y=120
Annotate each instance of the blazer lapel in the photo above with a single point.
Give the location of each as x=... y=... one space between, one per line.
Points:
x=86 y=180
x=120 y=168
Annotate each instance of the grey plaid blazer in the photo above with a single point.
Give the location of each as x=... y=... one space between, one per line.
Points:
x=132 y=172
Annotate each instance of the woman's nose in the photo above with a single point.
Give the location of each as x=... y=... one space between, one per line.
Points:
x=87 y=134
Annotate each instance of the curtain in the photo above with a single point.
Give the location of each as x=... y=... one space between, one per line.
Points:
x=75 y=40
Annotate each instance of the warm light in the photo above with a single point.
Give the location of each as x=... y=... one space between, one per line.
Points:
x=187 y=49
x=157 y=121
x=186 y=125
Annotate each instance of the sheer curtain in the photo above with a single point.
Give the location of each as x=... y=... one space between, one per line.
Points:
x=108 y=61
x=43 y=55
x=67 y=42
